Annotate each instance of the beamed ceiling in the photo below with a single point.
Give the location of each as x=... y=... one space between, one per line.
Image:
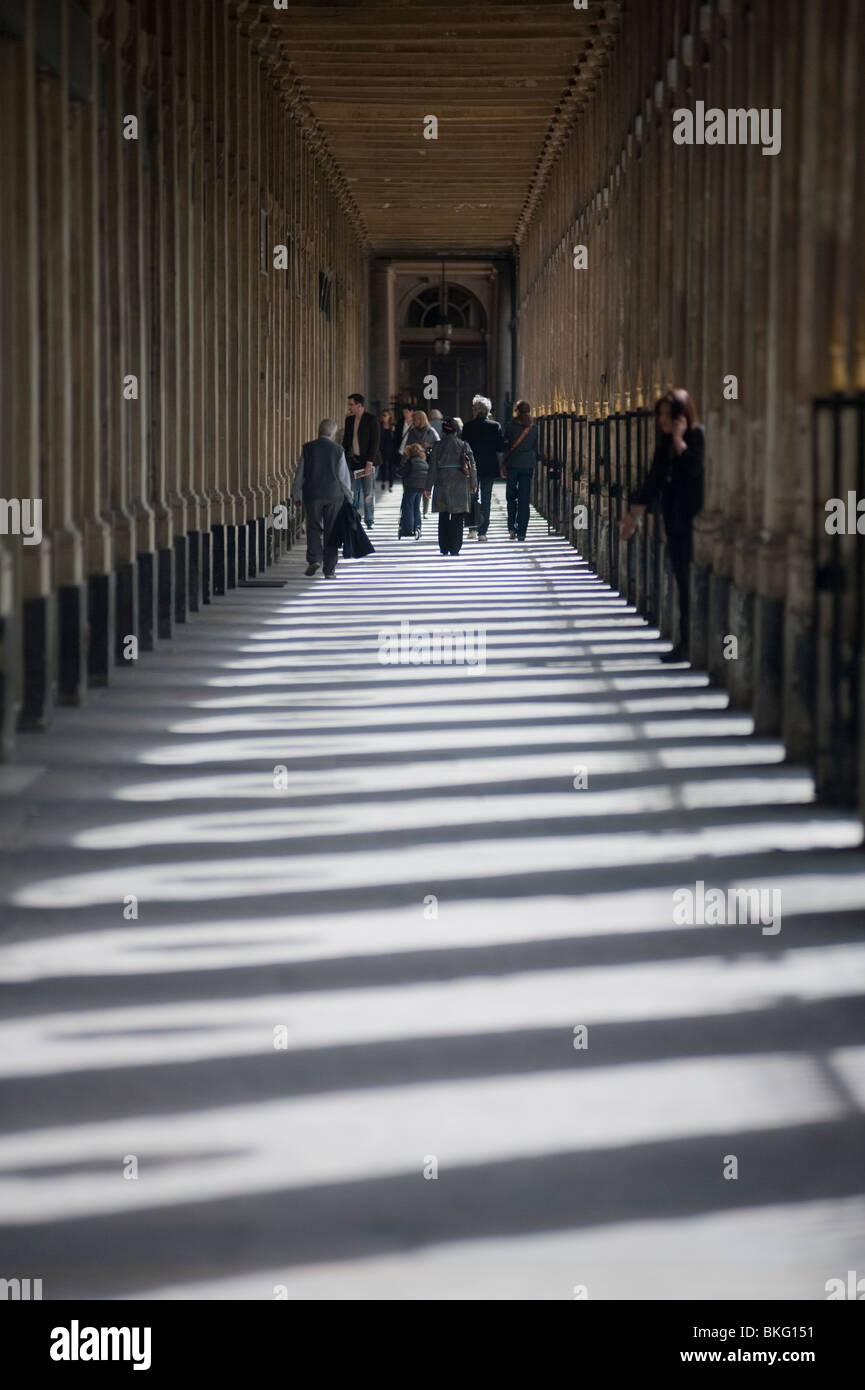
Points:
x=504 y=79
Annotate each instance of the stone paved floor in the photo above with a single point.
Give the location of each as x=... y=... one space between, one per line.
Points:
x=370 y=965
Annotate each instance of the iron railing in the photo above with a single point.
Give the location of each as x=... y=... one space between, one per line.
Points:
x=597 y=465
x=588 y=472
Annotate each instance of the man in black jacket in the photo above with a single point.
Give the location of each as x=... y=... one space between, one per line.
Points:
x=486 y=441
x=322 y=483
x=360 y=440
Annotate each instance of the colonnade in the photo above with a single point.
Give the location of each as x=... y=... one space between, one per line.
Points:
x=741 y=276
x=183 y=285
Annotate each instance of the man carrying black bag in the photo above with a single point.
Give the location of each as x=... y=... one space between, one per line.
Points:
x=322 y=484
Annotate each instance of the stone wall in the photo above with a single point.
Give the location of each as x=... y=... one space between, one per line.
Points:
x=161 y=360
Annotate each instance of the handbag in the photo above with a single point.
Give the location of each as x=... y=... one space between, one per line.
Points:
x=475 y=513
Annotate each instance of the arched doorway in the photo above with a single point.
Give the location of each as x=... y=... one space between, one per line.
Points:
x=458 y=372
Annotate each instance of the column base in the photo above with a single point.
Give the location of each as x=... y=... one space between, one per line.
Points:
x=218 y=576
x=181 y=578
x=165 y=593
x=231 y=556
x=251 y=550
x=100 y=621
x=261 y=536
x=126 y=610
x=38 y=621
x=146 y=601
x=768 y=664
x=698 y=636
x=205 y=558
x=71 y=654
x=8 y=682
x=194 y=580
x=739 y=674
x=798 y=694
x=719 y=626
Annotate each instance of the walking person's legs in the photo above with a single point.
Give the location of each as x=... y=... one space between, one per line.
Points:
x=486 y=485
x=314 y=535
x=511 y=498
x=457 y=531
x=357 y=494
x=444 y=532
x=679 y=548
x=369 y=498
x=524 y=492
x=330 y=510
x=416 y=498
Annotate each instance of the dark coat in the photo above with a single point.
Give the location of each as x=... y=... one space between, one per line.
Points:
x=677 y=480
x=387 y=447
x=414 y=473
x=369 y=434
x=486 y=441
x=322 y=474
x=451 y=488
x=525 y=455
x=348 y=532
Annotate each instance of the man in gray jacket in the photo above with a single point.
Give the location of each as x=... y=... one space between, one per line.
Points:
x=322 y=483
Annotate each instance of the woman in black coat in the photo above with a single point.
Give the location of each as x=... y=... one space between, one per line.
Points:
x=676 y=476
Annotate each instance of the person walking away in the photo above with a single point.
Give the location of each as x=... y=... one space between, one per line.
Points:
x=322 y=484
x=452 y=480
x=360 y=440
x=436 y=421
x=415 y=474
x=518 y=466
x=676 y=476
x=486 y=441
x=422 y=432
x=387 y=449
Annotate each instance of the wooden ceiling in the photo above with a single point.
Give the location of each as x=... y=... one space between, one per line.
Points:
x=504 y=79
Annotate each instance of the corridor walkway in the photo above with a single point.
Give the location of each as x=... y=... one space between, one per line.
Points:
x=339 y=1042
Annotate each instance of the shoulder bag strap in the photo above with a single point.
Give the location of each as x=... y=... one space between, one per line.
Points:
x=517 y=442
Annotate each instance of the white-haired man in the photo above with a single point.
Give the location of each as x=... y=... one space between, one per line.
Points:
x=486 y=441
x=322 y=484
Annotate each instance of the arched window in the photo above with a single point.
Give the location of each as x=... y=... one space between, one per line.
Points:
x=464 y=309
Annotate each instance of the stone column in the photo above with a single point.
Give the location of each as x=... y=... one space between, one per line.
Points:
x=195 y=279
x=221 y=352
x=157 y=248
x=56 y=385
x=759 y=272
x=91 y=439
x=27 y=652
x=135 y=53
x=783 y=309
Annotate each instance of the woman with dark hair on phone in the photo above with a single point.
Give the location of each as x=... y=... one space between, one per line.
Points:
x=676 y=476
